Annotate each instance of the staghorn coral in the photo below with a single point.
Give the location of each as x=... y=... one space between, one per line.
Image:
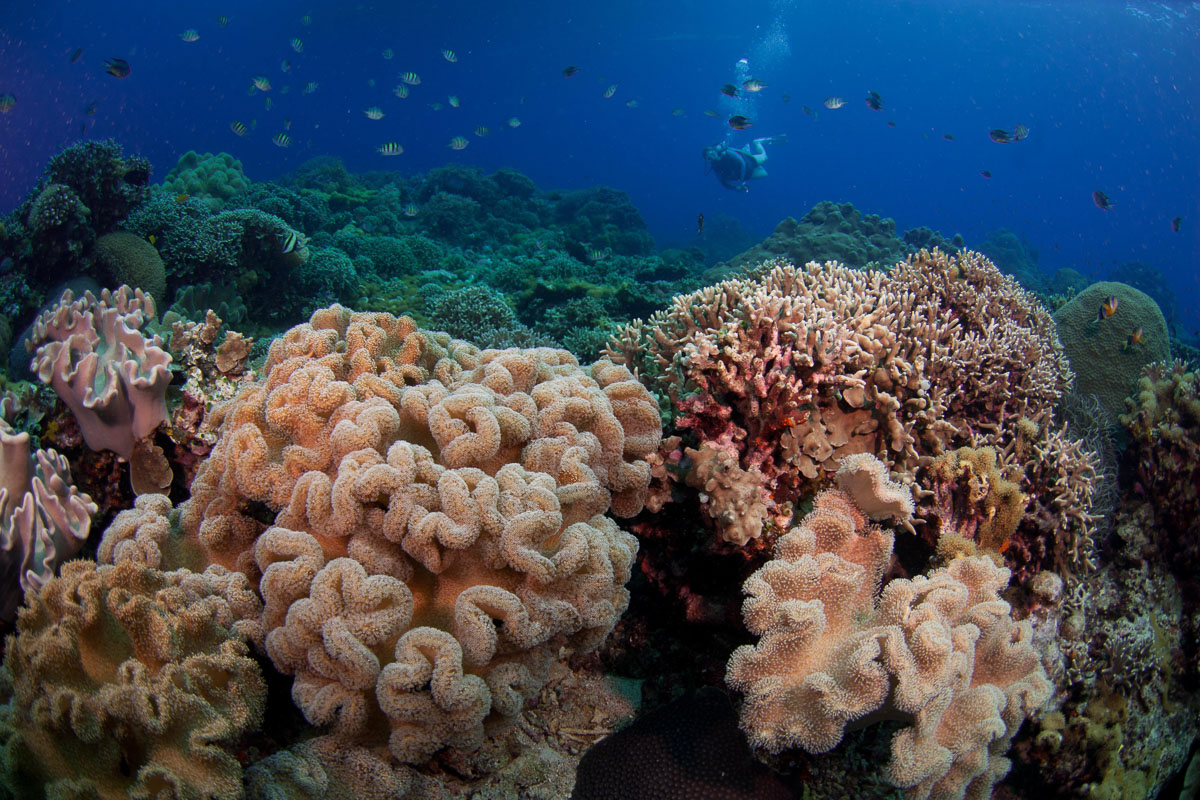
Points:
x=113 y=378
x=424 y=522
x=939 y=651
x=44 y=520
x=796 y=369
x=126 y=682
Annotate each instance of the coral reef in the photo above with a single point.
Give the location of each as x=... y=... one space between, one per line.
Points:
x=1106 y=362
x=127 y=682
x=940 y=651
x=131 y=260
x=437 y=527
x=217 y=175
x=44 y=519
x=113 y=378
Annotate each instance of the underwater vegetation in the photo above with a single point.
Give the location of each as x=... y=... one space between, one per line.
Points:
x=447 y=485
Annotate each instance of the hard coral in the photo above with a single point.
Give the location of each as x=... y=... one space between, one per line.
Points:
x=126 y=682
x=425 y=522
x=131 y=260
x=109 y=183
x=113 y=378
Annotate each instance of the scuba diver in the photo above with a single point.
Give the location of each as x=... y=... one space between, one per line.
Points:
x=735 y=166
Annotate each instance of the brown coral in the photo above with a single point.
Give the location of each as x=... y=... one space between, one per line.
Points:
x=126 y=682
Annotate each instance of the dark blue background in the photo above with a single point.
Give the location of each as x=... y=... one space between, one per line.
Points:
x=1108 y=89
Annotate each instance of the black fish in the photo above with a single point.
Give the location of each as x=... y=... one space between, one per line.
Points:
x=1000 y=136
x=739 y=122
x=729 y=90
x=874 y=101
x=1101 y=200
x=76 y=54
x=1175 y=223
x=570 y=70
x=117 y=67
x=700 y=224
x=691 y=747
x=987 y=173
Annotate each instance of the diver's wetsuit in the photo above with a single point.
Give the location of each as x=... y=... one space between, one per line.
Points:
x=733 y=168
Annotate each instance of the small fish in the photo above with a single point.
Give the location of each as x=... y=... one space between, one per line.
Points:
x=987 y=173
x=711 y=112
x=1107 y=308
x=513 y=122
x=891 y=123
x=1020 y=132
x=287 y=123
x=400 y=91
x=290 y=241
x=411 y=78
x=753 y=85
x=190 y=35
x=410 y=210
x=740 y=122
x=282 y=140
x=7 y=103
x=874 y=101
x=610 y=91
x=262 y=83
x=117 y=67
x=436 y=106
x=482 y=131
x=389 y=149
x=222 y=21
x=297 y=44
x=1135 y=338
x=1000 y=136
x=1101 y=200
x=90 y=108
x=570 y=70
x=453 y=101
x=450 y=56
x=181 y=198
x=309 y=87
x=599 y=255
x=458 y=143
x=238 y=128
x=268 y=103
x=388 y=54
x=949 y=137
x=285 y=66
x=76 y=54
x=306 y=19
x=152 y=238
x=729 y=90
x=374 y=112
x=700 y=223
x=1175 y=223
x=677 y=112
x=809 y=111
x=787 y=98
x=833 y=102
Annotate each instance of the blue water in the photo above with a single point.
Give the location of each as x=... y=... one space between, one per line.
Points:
x=1109 y=91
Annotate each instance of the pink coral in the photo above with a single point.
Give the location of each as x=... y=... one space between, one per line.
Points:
x=941 y=651
x=424 y=522
x=112 y=377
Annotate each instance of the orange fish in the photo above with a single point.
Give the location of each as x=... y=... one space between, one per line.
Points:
x=1135 y=338
x=1108 y=308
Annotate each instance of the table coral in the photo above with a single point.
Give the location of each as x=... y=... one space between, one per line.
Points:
x=112 y=377
x=425 y=523
x=940 y=651
x=126 y=682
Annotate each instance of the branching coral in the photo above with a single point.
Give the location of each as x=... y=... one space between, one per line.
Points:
x=939 y=651
x=112 y=377
x=424 y=522
x=795 y=369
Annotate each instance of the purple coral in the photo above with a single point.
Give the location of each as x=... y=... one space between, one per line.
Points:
x=113 y=378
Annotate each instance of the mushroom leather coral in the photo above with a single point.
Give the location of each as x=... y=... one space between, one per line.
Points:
x=113 y=378
x=941 y=651
x=127 y=682
x=425 y=522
